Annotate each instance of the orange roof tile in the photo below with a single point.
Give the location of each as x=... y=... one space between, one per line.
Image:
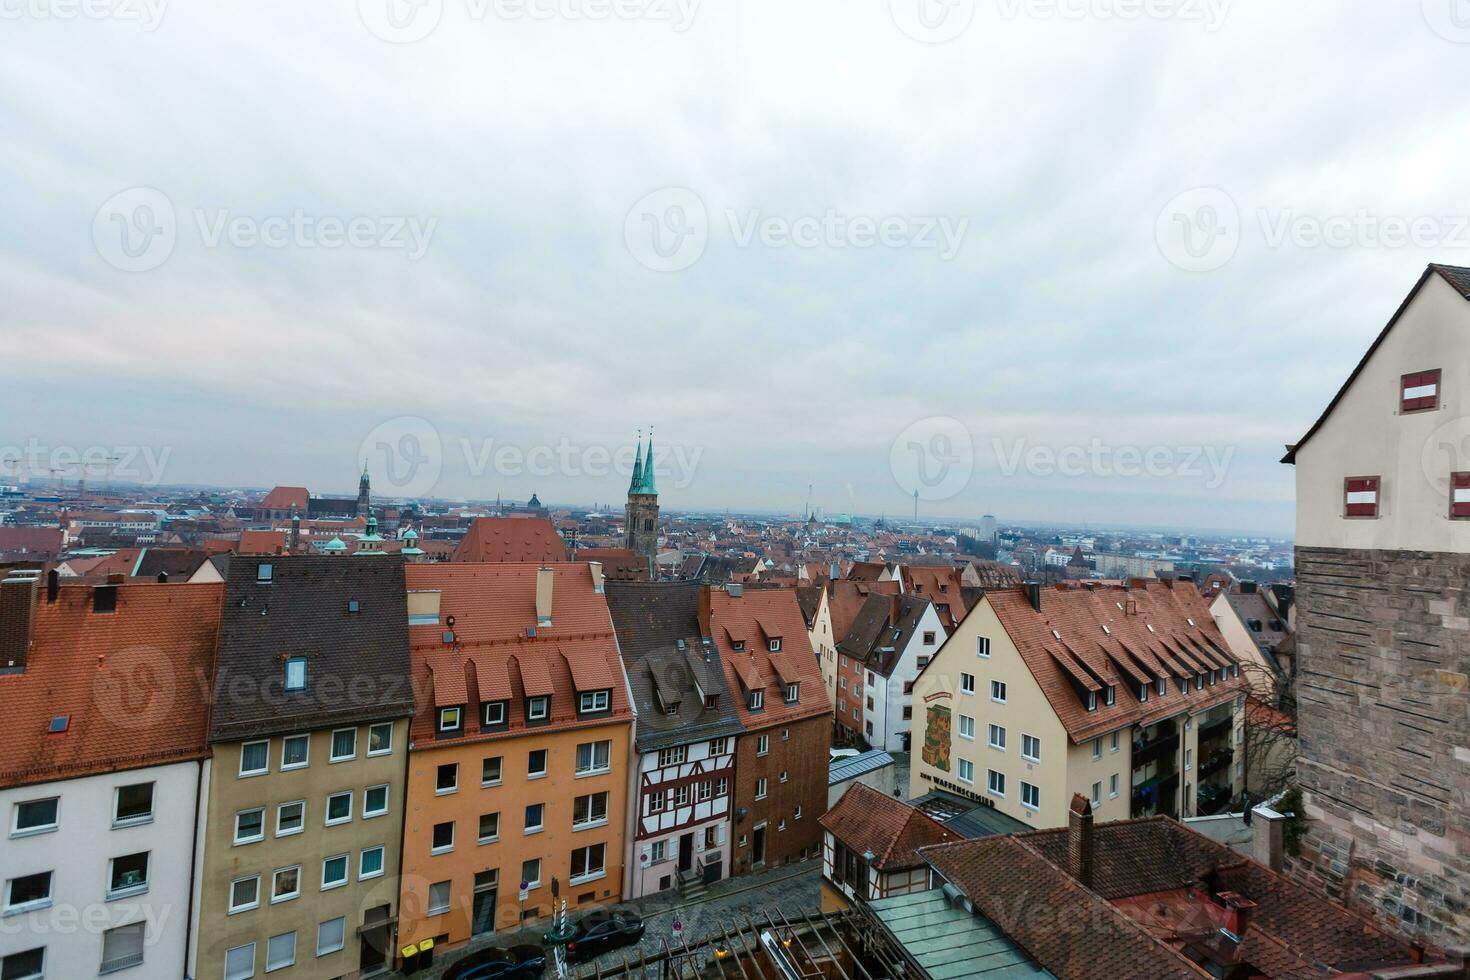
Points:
x=722 y=614
x=511 y=539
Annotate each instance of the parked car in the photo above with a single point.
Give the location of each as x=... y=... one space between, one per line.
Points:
x=597 y=932
x=498 y=963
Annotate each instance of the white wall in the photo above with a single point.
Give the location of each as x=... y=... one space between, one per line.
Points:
x=77 y=853
x=890 y=736
x=1414 y=454
x=650 y=827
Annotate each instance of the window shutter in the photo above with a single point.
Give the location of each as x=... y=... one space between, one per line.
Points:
x=1460 y=495
x=1420 y=391
x=1361 y=496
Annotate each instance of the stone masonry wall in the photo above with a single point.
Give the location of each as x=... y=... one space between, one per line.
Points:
x=1384 y=641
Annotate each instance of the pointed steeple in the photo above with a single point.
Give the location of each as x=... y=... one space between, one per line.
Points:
x=637 y=482
x=648 y=482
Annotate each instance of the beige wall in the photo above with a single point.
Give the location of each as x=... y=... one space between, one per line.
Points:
x=824 y=644
x=1414 y=454
x=223 y=861
x=1254 y=668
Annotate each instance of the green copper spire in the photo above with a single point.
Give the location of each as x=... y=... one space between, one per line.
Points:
x=637 y=481
x=648 y=482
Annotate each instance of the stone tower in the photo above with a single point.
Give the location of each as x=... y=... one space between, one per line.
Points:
x=642 y=510
x=364 y=493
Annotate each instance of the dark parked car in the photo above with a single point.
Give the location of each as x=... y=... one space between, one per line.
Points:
x=496 y=963
x=598 y=932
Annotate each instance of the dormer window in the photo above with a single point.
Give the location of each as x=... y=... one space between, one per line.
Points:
x=1109 y=694
x=757 y=700
x=590 y=701
x=494 y=712
x=793 y=693
x=1163 y=686
x=774 y=645
x=1143 y=694
x=449 y=719
x=538 y=708
x=1199 y=682
x=1419 y=392
x=1091 y=700
x=1360 y=497
x=296 y=674
x=738 y=646
x=1184 y=686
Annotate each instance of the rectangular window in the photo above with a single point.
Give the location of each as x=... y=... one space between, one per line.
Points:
x=1460 y=496
x=295 y=751
x=757 y=700
x=760 y=788
x=285 y=884
x=494 y=713
x=264 y=572
x=673 y=756
x=1360 y=496
x=589 y=863
x=370 y=863
x=438 y=898
x=490 y=771
x=334 y=872
x=535 y=817
x=536 y=763
x=1419 y=392
x=762 y=745
x=290 y=818
x=1030 y=748
x=449 y=720
x=722 y=786
x=656 y=801
x=1188 y=759
x=967 y=683
x=1097 y=747
x=774 y=645
x=344 y=744
x=331 y=936
x=380 y=738
x=997 y=737
x=240 y=962
x=590 y=810
x=1109 y=695
x=967 y=727
x=35 y=817
x=442 y=841
x=375 y=801
x=489 y=827
x=967 y=771
x=1113 y=743
x=339 y=808
x=1091 y=700
x=996 y=783
x=589 y=701
x=132 y=805
x=998 y=692
x=250 y=825
x=28 y=892
x=982 y=646
x=929 y=639
x=296 y=674
x=446 y=778
x=719 y=746
x=244 y=894
x=793 y=693
x=1096 y=794
x=1113 y=786
x=1030 y=796
x=531 y=873
x=254 y=758
x=538 y=708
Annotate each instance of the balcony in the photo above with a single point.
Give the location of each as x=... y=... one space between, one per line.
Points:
x=1215 y=761
x=1160 y=748
x=1215 y=729
x=1155 y=796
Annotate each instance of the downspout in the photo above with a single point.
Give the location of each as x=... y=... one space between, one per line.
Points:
x=193 y=863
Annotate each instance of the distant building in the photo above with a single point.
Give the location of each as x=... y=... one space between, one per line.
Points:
x=642 y=509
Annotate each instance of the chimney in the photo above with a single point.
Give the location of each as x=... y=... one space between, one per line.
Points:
x=1238 y=912
x=17 y=619
x=706 y=609
x=295 y=531
x=53 y=586
x=1268 y=844
x=545 y=577
x=1079 y=840
x=595 y=567
x=1033 y=594
x=1247 y=587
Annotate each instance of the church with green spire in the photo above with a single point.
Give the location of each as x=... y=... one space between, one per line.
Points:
x=642 y=509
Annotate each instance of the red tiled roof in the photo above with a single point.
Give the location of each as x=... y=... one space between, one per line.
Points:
x=134 y=682
x=262 y=543
x=867 y=820
x=44 y=540
x=284 y=498
x=511 y=539
x=755 y=668
x=1081 y=633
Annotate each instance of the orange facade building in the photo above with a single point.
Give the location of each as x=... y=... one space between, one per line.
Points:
x=519 y=765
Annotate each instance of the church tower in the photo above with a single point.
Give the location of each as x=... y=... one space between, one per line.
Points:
x=364 y=495
x=642 y=510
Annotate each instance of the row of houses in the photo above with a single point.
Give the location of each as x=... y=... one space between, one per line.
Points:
x=319 y=761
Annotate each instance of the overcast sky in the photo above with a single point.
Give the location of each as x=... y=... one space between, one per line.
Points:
x=1078 y=260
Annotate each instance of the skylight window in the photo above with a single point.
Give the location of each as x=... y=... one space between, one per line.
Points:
x=59 y=724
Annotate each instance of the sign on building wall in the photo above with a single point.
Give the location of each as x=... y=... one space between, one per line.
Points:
x=937 y=737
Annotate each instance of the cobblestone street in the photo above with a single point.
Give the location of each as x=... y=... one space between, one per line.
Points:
x=795 y=889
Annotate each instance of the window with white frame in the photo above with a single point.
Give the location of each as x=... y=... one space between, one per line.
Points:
x=1097 y=747
x=250 y=825
x=762 y=744
x=588 y=863
x=449 y=720
x=122 y=947
x=35 y=817
x=1096 y=794
x=1113 y=786
x=760 y=788
x=590 y=701
x=370 y=863
x=535 y=763
x=27 y=893
x=967 y=683
x=998 y=692
x=334 y=872
x=673 y=756
x=339 y=808
x=28 y=964
x=285 y=884
x=280 y=951
x=132 y=805
x=380 y=738
x=239 y=962
x=344 y=744
x=441 y=840
x=244 y=894
x=757 y=700
x=375 y=801
x=1030 y=748
x=493 y=713
x=295 y=751
x=491 y=770
x=997 y=738
x=656 y=801
x=489 y=828
x=290 y=818
x=438 y=898
x=995 y=783
x=1030 y=795
x=531 y=872
x=719 y=746
x=538 y=708
x=255 y=758
x=967 y=727
x=982 y=646
x=446 y=779
x=295 y=674
x=967 y=771
x=589 y=810
x=793 y=693
x=535 y=817
x=331 y=936
x=1113 y=742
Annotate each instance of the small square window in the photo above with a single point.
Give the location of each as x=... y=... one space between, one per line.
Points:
x=374 y=801
x=442 y=840
x=538 y=708
x=1030 y=796
x=1360 y=497
x=286 y=884
x=254 y=758
x=775 y=645
x=449 y=719
x=996 y=783
x=1419 y=392
x=250 y=825
x=331 y=936
x=295 y=751
x=535 y=817
x=339 y=808
x=494 y=712
x=344 y=744
x=244 y=894
x=380 y=738
x=370 y=863
x=982 y=645
x=531 y=873
x=290 y=818
x=264 y=572
x=998 y=692
x=132 y=805
x=28 y=892
x=489 y=828
x=757 y=700
x=334 y=872
x=490 y=771
x=280 y=951
x=128 y=875
x=240 y=962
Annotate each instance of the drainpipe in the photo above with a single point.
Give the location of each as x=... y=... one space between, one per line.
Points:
x=193 y=863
